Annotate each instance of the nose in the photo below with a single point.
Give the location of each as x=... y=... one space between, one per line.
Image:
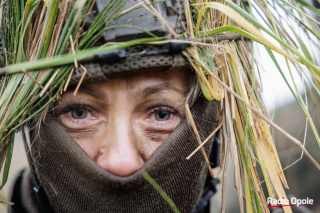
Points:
x=118 y=151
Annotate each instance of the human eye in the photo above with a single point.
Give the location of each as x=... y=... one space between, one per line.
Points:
x=163 y=113
x=162 y=118
x=77 y=116
x=79 y=111
x=160 y=121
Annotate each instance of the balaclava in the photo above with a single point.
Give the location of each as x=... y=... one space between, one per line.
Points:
x=73 y=182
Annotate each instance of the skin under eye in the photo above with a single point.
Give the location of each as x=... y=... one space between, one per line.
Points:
x=160 y=122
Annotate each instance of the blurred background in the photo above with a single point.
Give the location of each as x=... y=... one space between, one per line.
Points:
x=19 y=161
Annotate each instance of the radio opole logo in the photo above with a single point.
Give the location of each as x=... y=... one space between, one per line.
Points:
x=286 y=202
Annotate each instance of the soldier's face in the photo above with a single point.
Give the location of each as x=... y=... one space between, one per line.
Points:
x=121 y=122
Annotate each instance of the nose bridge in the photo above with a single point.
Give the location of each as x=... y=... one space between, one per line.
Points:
x=120 y=124
x=123 y=132
x=118 y=153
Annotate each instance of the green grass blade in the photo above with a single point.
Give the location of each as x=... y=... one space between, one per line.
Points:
x=157 y=187
x=11 y=91
x=66 y=31
x=47 y=34
x=255 y=22
x=303 y=47
x=8 y=162
x=302 y=24
x=299 y=11
x=284 y=77
x=69 y=58
x=304 y=3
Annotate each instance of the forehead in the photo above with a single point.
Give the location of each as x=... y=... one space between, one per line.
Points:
x=175 y=79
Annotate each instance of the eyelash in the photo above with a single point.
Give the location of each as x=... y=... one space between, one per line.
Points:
x=163 y=108
x=76 y=106
x=151 y=111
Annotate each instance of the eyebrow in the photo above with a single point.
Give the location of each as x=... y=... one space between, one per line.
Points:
x=141 y=94
x=92 y=92
x=156 y=88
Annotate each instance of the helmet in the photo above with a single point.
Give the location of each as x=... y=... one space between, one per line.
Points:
x=139 y=57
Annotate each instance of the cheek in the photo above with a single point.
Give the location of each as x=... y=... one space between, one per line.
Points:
x=150 y=135
x=148 y=142
x=156 y=137
x=89 y=141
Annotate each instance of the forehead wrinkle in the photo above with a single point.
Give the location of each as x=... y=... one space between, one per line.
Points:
x=156 y=88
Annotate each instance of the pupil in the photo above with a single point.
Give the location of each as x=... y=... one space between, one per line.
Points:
x=162 y=114
x=79 y=112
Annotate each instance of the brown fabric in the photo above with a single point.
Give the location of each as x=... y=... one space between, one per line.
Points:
x=75 y=183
